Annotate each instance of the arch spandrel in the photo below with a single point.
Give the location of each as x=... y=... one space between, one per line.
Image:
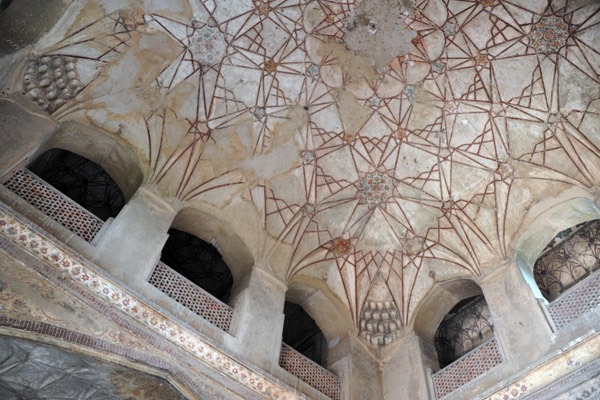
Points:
x=324 y=158
x=323 y=305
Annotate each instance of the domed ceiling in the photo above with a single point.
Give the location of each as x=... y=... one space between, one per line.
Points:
x=379 y=146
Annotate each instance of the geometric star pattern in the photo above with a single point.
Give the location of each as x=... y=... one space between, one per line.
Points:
x=496 y=104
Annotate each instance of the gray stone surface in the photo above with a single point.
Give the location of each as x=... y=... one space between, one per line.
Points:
x=23 y=127
x=130 y=247
x=258 y=319
x=25 y=21
x=31 y=370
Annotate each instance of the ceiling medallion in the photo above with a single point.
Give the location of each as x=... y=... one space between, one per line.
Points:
x=506 y=172
x=341 y=246
x=375 y=188
x=207 y=45
x=549 y=34
x=262 y=7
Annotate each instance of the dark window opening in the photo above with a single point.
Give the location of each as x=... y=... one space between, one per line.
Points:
x=301 y=333
x=198 y=261
x=464 y=328
x=572 y=256
x=82 y=180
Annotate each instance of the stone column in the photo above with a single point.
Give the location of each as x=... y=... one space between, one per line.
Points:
x=405 y=374
x=257 y=324
x=520 y=325
x=129 y=248
x=358 y=368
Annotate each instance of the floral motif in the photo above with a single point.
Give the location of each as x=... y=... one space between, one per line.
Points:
x=549 y=34
x=342 y=246
x=482 y=59
x=375 y=188
x=119 y=298
x=270 y=66
x=207 y=45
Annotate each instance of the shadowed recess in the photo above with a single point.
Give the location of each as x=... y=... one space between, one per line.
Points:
x=301 y=333
x=82 y=180
x=198 y=261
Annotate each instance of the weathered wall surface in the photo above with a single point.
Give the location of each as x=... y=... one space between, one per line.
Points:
x=372 y=151
x=32 y=370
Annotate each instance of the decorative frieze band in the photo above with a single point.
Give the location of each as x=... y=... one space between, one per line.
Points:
x=101 y=287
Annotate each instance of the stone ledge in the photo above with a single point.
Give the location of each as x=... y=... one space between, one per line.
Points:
x=103 y=293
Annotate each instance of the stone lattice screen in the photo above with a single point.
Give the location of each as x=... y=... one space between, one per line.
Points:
x=310 y=372
x=570 y=261
x=467 y=368
x=576 y=301
x=54 y=204
x=466 y=326
x=190 y=295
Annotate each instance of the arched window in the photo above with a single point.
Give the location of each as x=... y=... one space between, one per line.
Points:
x=456 y=330
x=571 y=257
x=74 y=191
x=301 y=333
x=82 y=180
x=464 y=328
x=198 y=261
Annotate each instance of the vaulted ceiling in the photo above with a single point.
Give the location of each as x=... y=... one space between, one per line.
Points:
x=378 y=146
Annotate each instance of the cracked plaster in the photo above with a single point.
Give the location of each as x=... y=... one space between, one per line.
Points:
x=278 y=130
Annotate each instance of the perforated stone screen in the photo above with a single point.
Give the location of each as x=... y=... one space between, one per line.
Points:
x=54 y=204
x=467 y=368
x=576 y=301
x=310 y=372
x=191 y=296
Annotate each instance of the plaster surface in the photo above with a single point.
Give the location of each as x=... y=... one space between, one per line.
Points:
x=374 y=170
x=278 y=115
x=30 y=370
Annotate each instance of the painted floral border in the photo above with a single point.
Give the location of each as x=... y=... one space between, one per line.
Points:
x=35 y=244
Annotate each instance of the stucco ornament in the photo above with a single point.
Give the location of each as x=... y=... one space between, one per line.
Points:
x=549 y=34
x=51 y=81
x=303 y=122
x=379 y=323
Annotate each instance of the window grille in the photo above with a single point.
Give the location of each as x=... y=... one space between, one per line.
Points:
x=310 y=372
x=466 y=326
x=191 y=296
x=54 y=204
x=576 y=301
x=569 y=262
x=465 y=369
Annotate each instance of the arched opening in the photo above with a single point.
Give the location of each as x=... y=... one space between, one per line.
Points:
x=82 y=180
x=541 y=229
x=198 y=261
x=568 y=259
x=301 y=333
x=452 y=321
x=465 y=327
x=192 y=272
x=72 y=190
x=559 y=255
x=201 y=261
